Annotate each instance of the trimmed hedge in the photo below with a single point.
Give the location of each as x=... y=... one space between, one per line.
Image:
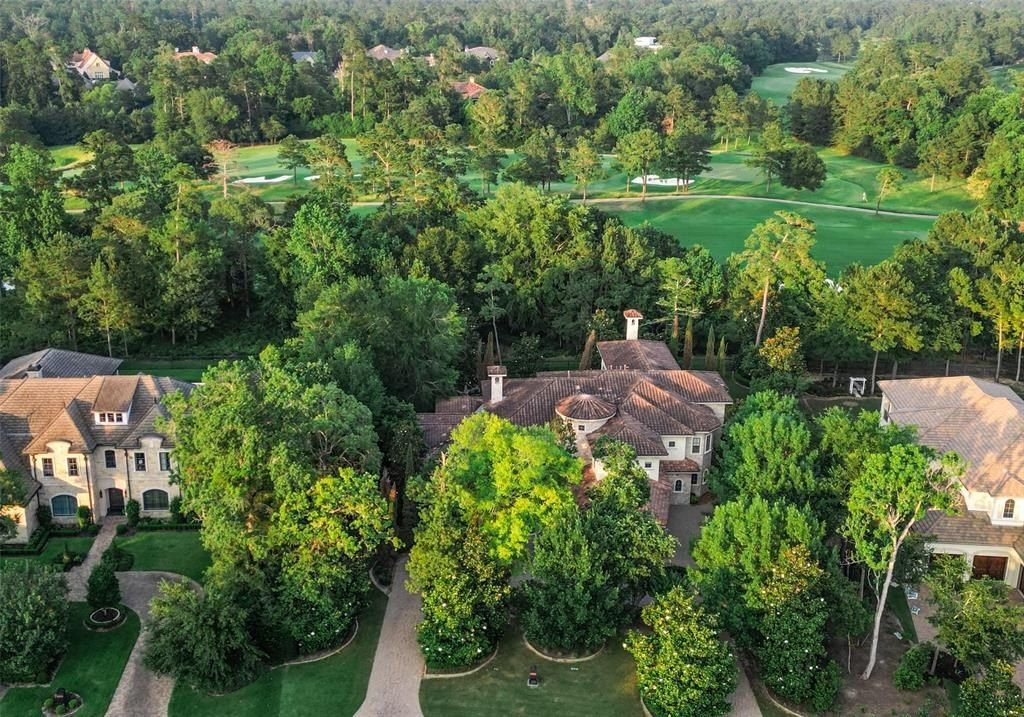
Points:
x=150 y=524
x=42 y=535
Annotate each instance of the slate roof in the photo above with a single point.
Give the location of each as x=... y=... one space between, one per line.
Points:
x=304 y=56
x=482 y=52
x=637 y=354
x=60 y=363
x=970 y=528
x=37 y=411
x=980 y=420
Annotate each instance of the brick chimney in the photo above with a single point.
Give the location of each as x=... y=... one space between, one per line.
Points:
x=632 y=324
x=497 y=375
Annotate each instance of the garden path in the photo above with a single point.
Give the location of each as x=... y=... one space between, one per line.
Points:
x=140 y=692
x=743 y=702
x=394 y=689
x=78 y=577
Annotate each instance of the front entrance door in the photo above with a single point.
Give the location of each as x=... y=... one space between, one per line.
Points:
x=115 y=501
x=990 y=566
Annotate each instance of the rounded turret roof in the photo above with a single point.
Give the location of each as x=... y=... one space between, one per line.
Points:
x=585 y=407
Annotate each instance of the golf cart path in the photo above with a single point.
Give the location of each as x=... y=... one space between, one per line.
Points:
x=394 y=689
x=140 y=692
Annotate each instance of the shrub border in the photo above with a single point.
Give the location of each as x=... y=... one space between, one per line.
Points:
x=450 y=675
x=323 y=654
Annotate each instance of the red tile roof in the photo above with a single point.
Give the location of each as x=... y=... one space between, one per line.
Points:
x=637 y=353
x=469 y=90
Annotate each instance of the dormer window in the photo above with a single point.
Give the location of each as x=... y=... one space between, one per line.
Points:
x=111 y=418
x=1008 y=509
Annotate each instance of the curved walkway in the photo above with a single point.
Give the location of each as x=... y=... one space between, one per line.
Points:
x=394 y=689
x=140 y=692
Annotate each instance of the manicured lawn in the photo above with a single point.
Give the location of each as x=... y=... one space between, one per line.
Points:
x=182 y=369
x=816 y=405
x=91 y=667
x=335 y=686
x=722 y=225
x=605 y=685
x=777 y=84
x=169 y=551
x=54 y=547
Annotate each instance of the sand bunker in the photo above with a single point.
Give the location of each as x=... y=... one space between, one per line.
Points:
x=263 y=180
x=806 y=70
x=656 y=181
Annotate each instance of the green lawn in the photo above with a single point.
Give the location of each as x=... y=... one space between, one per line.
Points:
x=335 y=686
x=722 y=225
x=816 y=405
x=170 y=551
x=775 y=83
x=182 y=369
x=54 y=547
x=92 y=667
x=898 y=606
x=605 y=685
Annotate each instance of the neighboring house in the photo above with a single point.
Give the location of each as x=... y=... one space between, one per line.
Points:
x=301 y=56
x=983 y=422
x=483 y=53
x=90 y=66
x=647 y=42
x=91 y=441
x=204 y=57
x=58 y=363
x=469 y=90
x=383 y=52
x=671 y=417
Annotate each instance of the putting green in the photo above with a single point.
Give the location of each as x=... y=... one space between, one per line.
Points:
x=777 y=83
x=722 y=225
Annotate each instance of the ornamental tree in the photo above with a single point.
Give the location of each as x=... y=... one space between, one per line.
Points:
x=893 y=491
x=33 y=619
x=682 y=668
x=103 y=589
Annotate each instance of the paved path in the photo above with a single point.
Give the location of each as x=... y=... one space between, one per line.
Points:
x=141 y=693
x=394 y=689
x=684 y=524
x=78 y=577
x=743 y=702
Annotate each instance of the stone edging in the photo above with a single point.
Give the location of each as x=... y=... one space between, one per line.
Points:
x=778 y=704
x=643 y=706
x=373 y=579
x=439 y=676
x=323 y=654
x=110 y=626
x=566 y=660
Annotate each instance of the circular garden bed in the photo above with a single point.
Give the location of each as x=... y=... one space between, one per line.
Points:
x=105 y=619
x=72 y=703
x=562 y=655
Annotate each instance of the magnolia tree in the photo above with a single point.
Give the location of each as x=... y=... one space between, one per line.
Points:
x=682 y=668
x=33 y=619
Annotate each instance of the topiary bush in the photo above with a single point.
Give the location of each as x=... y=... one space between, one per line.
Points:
x=103 y=589
x=44 y=516
x=131 y=512
x=84 y=516
x=909 y=674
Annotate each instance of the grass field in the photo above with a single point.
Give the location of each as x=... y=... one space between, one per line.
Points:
x=91 y=667
x=1002 y=76
x=605 y=685
x=54 y=547
x=169 y=551
x=776 y=84
x=334 y=686
x=722 y=225
x=183 y=369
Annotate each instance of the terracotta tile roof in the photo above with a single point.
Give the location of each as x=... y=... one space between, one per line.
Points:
x=584 y=407
x=469 y=90
x=637 y=354
x=437 y=427
x=970 y=528
x=980 y=420
x=684 y=466
x=59 y=363
x=660 y=500
x=116 y=394
x=632 y=314
x=625 y=428
x=463 y=405
x=205 y=57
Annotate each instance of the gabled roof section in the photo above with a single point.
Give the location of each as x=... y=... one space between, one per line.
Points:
x=639 y=354
x=980 y=420
x=625 y=428
x=383 y=52
x=469 y=90
x=147 y=426
x=60 y=363
x=116 y=394
x=68 y=425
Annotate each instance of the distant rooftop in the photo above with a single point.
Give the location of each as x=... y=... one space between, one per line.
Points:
x=59 y=363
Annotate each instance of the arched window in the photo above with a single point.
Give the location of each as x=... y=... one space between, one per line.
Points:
x=155 y=499
x=678 y=488
x=1008 y=508
x=63 y=505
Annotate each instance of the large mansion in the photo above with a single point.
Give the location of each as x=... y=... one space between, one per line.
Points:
x=86 y=440
x=984 y=423
x=671 y=417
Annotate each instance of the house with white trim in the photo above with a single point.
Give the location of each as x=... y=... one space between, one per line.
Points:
x=983 y=422
x=87 y=441
x=672 y=418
